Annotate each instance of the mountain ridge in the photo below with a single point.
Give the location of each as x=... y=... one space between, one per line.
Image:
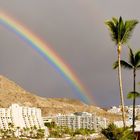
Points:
x=10 y=93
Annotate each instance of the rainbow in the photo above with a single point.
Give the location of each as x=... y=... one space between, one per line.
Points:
x=48 y=54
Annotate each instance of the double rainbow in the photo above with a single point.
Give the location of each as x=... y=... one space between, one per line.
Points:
x=48 y=54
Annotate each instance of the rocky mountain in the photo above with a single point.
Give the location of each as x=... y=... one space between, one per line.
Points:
x=10 y=93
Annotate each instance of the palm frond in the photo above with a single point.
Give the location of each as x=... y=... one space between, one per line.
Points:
x=133 y=95
x=113 y=30
x=115 y=65
x=138 y=67
x=131 y=57
x=115 y=20
x=127 y=135
x=137 y=58
x=112 y=132
x=121 y=29
x=124 y=64
x=129 y=27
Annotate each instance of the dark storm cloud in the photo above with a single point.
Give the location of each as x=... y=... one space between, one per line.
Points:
x=75 y=30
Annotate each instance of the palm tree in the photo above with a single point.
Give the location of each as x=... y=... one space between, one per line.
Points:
x=11 y=129
x=120 y=33
x=112 y=132
x=18 y=129
x=133 y=64
x=40 y=133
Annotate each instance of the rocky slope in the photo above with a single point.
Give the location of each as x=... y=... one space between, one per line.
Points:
x=12 y=93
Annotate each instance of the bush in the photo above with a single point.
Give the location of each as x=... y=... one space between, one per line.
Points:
x=115 y=133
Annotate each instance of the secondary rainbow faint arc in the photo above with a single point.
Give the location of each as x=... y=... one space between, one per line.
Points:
x=45 y=51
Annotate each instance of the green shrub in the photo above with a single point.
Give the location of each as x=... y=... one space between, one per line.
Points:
x=115 y=133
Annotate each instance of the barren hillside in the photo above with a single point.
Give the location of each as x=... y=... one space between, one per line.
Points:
x=12 y=93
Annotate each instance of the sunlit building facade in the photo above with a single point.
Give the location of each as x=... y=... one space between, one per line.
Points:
x=21 y=116
x=81 y=120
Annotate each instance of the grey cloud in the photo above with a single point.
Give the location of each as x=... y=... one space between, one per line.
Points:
x=75 y=30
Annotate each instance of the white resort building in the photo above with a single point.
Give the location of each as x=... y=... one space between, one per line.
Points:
x=21 y=116
x=81 y=120
x=129 y=114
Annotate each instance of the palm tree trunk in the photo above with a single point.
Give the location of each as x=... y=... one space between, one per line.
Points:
x=120 y=84
x=134 y=99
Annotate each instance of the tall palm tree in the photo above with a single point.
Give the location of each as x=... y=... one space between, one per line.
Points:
x=120 y=33
x=133 y=64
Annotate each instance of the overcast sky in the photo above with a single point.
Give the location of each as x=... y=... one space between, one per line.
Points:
x=75 y=30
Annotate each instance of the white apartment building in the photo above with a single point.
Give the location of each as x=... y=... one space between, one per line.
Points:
x=81 y=120
x=115 y=110
x=128 y=111
x=21 y=116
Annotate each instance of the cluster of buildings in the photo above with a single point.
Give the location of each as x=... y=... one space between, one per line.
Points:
x=27 y=117
x=128 y=110
x=129 y=114
x=79 y=120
